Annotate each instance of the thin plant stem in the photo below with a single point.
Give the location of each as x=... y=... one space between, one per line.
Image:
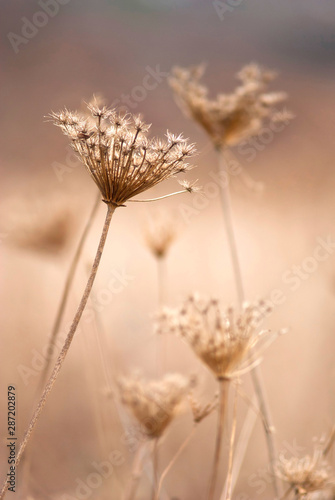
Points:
x=66 y=346
x=66 y=291
x=161 y=340
x=329 y=442
x=241 y=446
x=135 y=473
x=159 y=197
x=224 y=386
x=173 y=461
x=231 y=451
x=154 y=468
x=255 y=372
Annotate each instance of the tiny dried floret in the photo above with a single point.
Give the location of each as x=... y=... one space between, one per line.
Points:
x=306 y=474
x=230 y=118
x=222 y=338
x=154 y=403
x=160 y=231
x=120 y=158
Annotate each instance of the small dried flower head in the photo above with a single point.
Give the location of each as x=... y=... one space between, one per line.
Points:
x=222 y=338
x=199 y=410
x=230 y=118
x=120 y=158
x=306 y=474
x=191 y=187
x=160 y=231
x=155 y=403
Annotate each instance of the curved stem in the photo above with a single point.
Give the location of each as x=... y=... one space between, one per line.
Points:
x=66 y=346
x=255 y=372
x=173 y=461
x=224 y=386
x=66 y=291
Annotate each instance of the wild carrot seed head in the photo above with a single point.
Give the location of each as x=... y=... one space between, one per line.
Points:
x=222 y=338
x=306 y=474
x=120 y=158
x=230 y=118
x=154 y=403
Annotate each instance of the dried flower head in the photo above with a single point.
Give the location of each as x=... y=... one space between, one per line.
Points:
x=154 y=403
x=160 y=231
x=307 y=474
x=199 y=410
x=230 y=118
x=222 y=338
x=120 y=158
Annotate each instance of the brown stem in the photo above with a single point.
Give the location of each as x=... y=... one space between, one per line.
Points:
x=255 y=372
x=224 y=386
x=66 y=291
x=155 y=468
x=66 y=346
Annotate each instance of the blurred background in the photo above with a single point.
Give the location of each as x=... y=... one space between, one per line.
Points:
x=78 y=48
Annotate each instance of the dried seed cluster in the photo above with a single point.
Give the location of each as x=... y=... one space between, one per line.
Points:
x=154 y=403
x=307 y=474
x=115 y=149
x=230 y=118
x=221 y=338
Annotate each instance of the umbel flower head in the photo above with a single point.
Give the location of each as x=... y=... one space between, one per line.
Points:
x=306 y=474
x=120 y=158
x=230 y=118
x=222 y=338
x=160 y=232
x=154 y=403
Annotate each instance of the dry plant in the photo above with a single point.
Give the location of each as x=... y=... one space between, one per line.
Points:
x=154 y=404
x=224 y=340
x=229 y=119
x=123 y=163
x=306 y=475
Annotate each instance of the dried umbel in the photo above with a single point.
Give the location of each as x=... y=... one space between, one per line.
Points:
x=160 y=232
x=222 y=338
x=154 y=403
x=307 y=474
x=230 y=118
x=115 y=149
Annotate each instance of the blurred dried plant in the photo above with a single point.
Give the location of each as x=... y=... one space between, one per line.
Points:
x=160 y=231
x=154 y=403
x=229 y=118
x=42 y=225
x=307 y=474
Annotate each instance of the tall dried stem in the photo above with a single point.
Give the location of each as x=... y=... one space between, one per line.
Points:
x=224 y=386
x=66 y=346
x=66 y=291
x=255 y=372
x=155 y=468
x=161 y=354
